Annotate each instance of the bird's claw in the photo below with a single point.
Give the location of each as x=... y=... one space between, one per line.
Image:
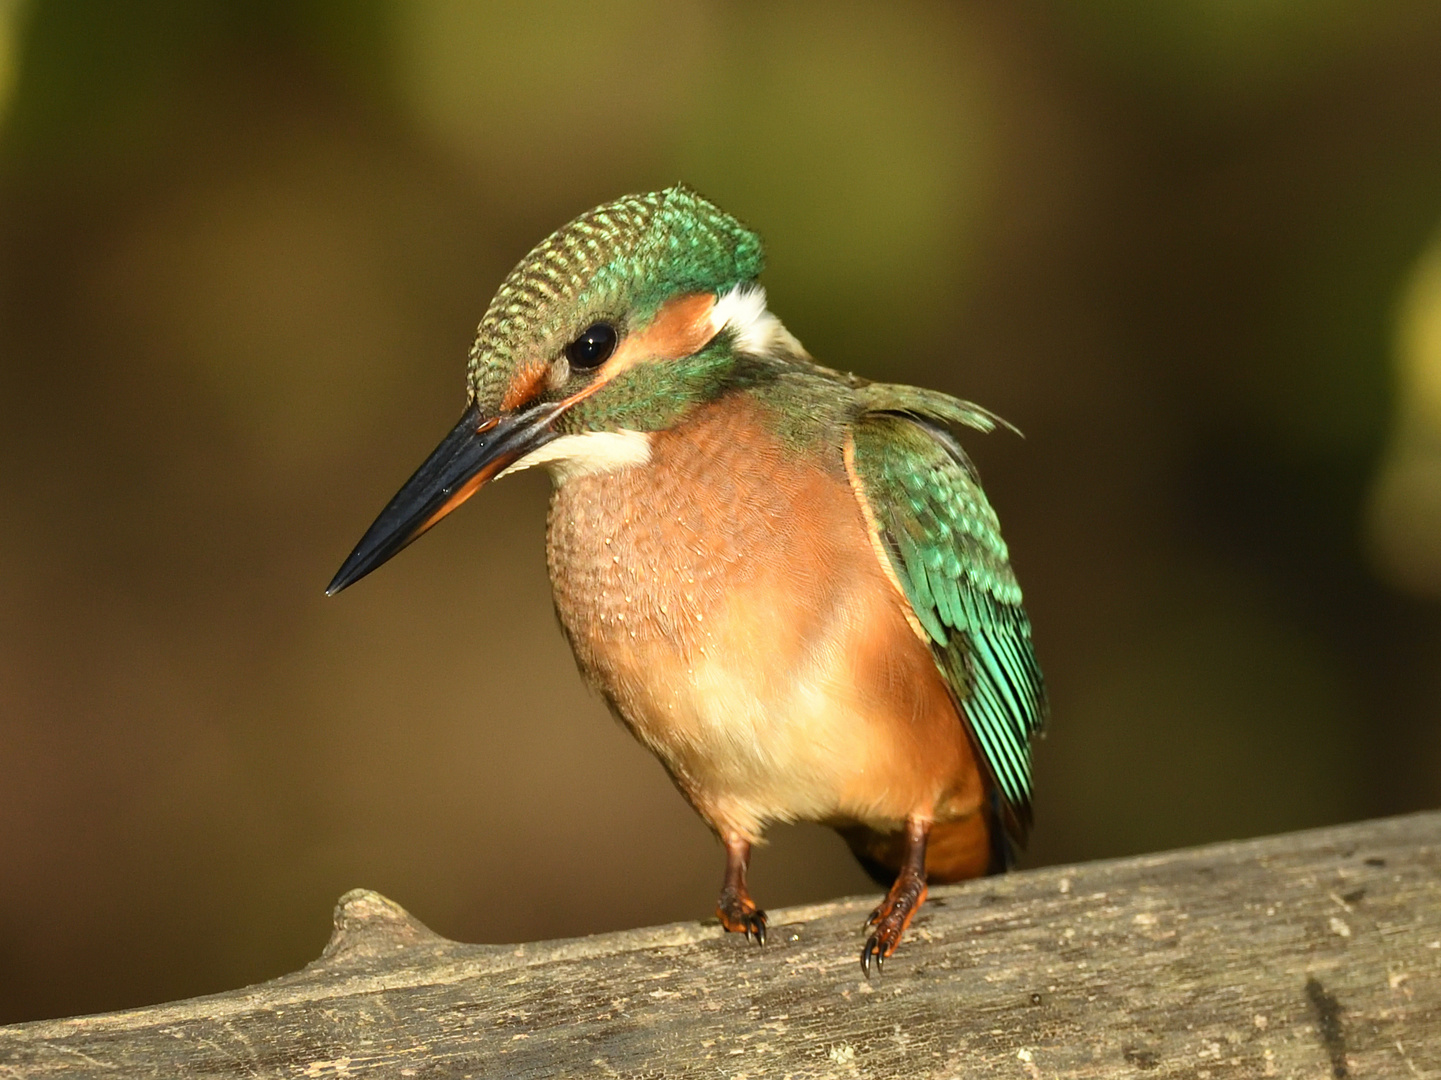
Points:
x=890 y=919
x=756 y=927
x=873 y=950
x=882 y=943
x=741 y=916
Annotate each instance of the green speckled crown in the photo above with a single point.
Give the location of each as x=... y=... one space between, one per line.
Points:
x=620 y=261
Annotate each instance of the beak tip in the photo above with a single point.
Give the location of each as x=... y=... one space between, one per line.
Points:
x=343 y=579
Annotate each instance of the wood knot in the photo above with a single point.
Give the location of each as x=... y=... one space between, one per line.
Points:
x=369 y=925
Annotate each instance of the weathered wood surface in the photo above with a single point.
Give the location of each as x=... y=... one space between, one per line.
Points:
x=1311 y=955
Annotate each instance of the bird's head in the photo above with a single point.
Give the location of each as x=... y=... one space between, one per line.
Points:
x=611 y=329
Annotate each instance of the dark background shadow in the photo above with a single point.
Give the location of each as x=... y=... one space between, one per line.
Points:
x=243 y=248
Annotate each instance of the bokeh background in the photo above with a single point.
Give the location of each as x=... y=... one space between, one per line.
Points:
x=1192 y=249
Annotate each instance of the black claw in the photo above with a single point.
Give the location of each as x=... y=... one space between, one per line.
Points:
x=756 y=925
x=874 y=952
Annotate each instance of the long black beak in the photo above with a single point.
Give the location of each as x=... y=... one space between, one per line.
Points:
x=476 y=451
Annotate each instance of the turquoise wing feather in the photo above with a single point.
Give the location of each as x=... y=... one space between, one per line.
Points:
x=945 y=545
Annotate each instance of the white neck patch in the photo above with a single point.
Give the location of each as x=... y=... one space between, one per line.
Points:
x=757 y=332
x=587 y=452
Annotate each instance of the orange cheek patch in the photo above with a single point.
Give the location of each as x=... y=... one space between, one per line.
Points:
x=525 y=385
x=680 y=328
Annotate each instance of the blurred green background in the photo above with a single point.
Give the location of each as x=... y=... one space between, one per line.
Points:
x=1190 y=248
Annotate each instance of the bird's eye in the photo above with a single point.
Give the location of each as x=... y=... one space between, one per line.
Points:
x=593 y=347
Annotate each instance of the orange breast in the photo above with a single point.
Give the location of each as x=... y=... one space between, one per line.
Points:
x=726 y=599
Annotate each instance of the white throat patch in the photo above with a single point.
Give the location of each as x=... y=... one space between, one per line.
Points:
x=757 y=332
x=587 y=452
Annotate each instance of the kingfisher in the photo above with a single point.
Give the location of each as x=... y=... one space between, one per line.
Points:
x=786 y=581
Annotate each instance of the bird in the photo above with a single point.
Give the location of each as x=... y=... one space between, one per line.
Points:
x=786 y=581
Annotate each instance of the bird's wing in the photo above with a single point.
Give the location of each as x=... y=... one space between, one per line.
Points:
x=924 y=501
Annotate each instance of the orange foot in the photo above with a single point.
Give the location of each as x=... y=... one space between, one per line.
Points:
x=901 y=903
x=891 y=919
x=739 y=914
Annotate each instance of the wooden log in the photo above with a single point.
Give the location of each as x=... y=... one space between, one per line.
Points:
x=1316 y=954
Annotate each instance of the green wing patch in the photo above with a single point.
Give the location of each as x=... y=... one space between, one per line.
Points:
x=945 y=544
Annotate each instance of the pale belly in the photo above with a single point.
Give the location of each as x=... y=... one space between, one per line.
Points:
x=730 y=606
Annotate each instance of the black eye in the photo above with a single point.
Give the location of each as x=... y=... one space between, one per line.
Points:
x=593 y=347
